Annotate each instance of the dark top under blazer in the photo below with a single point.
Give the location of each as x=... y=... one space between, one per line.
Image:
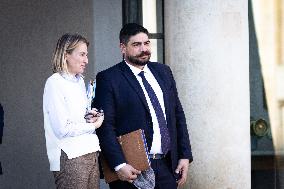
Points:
x=125 y=107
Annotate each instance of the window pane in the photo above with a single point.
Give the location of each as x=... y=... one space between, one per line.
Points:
x=157 y=50
x=159 y=10
x=149 y=15
x=153 y=15
x=160 y=53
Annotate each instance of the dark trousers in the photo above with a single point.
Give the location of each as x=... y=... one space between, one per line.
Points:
x=164 y=177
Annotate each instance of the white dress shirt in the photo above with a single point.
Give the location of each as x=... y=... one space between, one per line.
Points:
x=64 y=107
x=156 y=147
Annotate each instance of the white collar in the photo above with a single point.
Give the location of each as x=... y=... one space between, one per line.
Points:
x=136 y=70
x=70 y=77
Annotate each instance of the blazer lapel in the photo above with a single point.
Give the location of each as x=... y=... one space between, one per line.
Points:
x=132 y=80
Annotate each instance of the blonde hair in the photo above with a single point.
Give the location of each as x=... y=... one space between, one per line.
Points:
x=65 y=44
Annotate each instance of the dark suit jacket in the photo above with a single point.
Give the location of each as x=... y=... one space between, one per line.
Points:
x=1 y=122
x=125 y=107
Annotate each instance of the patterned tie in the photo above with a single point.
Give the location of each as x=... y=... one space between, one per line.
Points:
x=165 y=138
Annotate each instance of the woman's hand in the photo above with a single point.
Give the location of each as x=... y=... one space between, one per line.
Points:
x=99 y=120
x=95 y=116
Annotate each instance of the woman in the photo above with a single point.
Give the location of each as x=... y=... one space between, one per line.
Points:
x=71 y=142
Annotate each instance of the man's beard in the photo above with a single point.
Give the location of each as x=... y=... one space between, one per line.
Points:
x=135 y=59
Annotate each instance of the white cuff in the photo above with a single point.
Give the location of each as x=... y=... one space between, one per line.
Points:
x=119 y=166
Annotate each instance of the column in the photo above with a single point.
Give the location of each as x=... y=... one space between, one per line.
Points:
x=207 y=47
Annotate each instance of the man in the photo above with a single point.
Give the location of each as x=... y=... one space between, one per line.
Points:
x=1 y=122
x=1 y=130
x=132 y=100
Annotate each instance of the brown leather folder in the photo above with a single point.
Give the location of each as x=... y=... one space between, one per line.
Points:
x=135 y=151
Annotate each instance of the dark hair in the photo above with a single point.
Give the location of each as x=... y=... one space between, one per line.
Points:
x=129 y=30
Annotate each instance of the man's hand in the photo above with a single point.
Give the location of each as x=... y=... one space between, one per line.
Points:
x=127 y=173
x=182 y=169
